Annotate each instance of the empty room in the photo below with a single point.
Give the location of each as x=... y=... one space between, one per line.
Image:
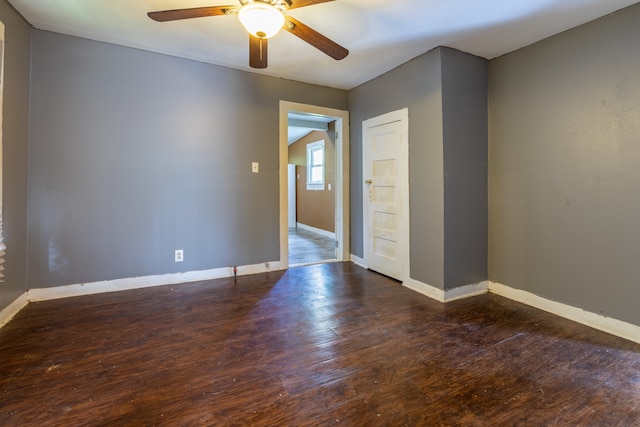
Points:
x=473 y=169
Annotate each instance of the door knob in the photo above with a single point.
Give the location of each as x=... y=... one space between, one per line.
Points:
x=368 y=182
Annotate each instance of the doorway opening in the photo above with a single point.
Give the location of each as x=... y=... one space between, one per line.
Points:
x=315 y=179
x=311 y=189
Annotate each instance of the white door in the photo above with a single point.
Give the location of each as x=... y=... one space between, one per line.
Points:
x=385 y=194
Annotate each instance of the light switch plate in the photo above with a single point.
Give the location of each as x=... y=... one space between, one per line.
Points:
x=255 y=167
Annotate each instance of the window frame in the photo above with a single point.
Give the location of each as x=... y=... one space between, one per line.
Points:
x=317 y=185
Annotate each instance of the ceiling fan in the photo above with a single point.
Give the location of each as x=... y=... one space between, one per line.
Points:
x=262 y=19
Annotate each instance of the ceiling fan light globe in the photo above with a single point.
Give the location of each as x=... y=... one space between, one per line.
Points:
x=261 y=19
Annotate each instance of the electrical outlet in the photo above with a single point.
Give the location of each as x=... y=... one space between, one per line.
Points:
x=179 y=255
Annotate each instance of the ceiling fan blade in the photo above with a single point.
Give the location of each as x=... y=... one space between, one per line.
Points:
x=195 y=12
x=257 y=52
x=302 y=3
x=315 y=39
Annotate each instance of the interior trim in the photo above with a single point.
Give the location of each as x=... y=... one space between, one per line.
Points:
x=596 y=321
x=67 y=291
x=342 y=176
x=602 y=323
x=14 y=308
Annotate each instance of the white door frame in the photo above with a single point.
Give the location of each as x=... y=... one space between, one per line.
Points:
x=403 y=179
x=342 y=176
x=2 y=78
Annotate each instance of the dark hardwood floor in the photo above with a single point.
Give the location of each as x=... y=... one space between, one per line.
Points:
x=307 y=247
x=328 y=344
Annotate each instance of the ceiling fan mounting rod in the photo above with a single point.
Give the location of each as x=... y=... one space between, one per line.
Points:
x=278 y=4
x=283 y=3
x=262 y=19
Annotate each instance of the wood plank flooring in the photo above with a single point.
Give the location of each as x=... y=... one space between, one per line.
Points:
x=308 y=247
x=328 y=344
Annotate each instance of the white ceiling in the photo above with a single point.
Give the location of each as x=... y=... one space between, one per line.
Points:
x=380 y=34
x=301 y=125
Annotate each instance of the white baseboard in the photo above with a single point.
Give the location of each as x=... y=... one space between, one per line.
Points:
x=606 y=324
x=43 y=294
x=424 y=289
x=12 y=309
x=357 y=260
x=320 y=231
x=466 y=291
x=448 y=295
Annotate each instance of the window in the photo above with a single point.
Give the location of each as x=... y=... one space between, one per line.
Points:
x=315 y=166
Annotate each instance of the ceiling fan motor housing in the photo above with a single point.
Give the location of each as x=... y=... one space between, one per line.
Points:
x=262 y=19
x=279 y=4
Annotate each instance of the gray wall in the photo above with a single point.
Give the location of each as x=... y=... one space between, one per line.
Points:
x=15 y=152
x=135 y=154
x=416 y=85
x=564 y=159
x=445 y=91
x=464 y=100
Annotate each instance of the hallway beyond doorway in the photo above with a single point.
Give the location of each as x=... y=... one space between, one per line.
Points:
x=308 y=247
